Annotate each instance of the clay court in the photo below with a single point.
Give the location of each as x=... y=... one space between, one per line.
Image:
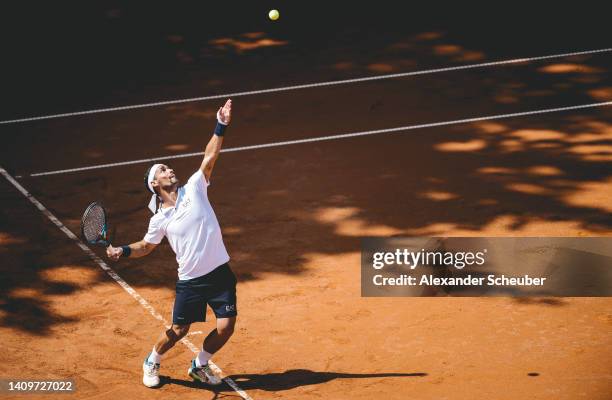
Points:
x=293 y=214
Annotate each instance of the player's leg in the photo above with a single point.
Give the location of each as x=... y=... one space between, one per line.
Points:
x=223 y=304
x=170 y=337
x=200 y=368
x=220 y=335
x=189 y=307
x=222 y=301
x=166 y=341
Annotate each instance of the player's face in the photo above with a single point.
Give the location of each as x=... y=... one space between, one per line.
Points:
x=165 y=176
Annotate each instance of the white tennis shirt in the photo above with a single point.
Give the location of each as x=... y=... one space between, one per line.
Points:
x=192 y=230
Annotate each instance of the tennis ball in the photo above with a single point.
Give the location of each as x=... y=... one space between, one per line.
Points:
x=273 y=14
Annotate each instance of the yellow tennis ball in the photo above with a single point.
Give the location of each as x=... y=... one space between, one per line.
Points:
x=273 y=14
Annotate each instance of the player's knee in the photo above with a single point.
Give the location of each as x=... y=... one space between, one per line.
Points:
x=225 y=331
x=180 y=331
x=226 y=327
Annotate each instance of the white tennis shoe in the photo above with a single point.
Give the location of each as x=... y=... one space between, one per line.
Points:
x=203 y=374
x=150 y=376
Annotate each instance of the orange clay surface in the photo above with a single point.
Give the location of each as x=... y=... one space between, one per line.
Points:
x=292 y=218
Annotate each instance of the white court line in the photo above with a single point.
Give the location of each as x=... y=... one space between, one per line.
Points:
x=306 y=86
x=116 y=277
x=323 y=138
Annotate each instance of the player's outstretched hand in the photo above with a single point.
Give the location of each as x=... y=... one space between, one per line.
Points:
x=224 y=115
x=114 y=252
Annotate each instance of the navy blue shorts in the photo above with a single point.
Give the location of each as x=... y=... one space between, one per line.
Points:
x=217 y=289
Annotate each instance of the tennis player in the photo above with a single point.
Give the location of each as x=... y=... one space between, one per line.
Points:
x=185 y=217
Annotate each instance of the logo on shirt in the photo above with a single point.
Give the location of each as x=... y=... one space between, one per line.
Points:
x=186 y=203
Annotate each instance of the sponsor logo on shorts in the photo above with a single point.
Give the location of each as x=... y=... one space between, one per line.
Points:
x=231 y=307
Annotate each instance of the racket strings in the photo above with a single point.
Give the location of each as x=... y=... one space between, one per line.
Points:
x=94 y=224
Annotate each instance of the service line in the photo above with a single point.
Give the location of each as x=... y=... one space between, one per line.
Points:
x=330 y=137
x=308 y=85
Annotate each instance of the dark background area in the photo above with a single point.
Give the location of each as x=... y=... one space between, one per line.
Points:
x=70 y=56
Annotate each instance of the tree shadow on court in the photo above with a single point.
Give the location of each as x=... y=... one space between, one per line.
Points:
x=33 y=269
x=32 y=315
x=281 y=207
x=287 y=380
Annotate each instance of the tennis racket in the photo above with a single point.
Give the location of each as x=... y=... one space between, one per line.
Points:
x=94 y=228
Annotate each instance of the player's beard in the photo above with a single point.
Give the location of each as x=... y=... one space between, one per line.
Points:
x=173 y=184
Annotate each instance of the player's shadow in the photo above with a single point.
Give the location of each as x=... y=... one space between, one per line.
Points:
x=290 y=379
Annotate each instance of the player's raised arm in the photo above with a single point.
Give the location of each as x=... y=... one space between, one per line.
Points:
x=213 y=148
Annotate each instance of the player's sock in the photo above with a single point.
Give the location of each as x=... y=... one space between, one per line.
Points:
x=154 y=357
x=202 y=358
